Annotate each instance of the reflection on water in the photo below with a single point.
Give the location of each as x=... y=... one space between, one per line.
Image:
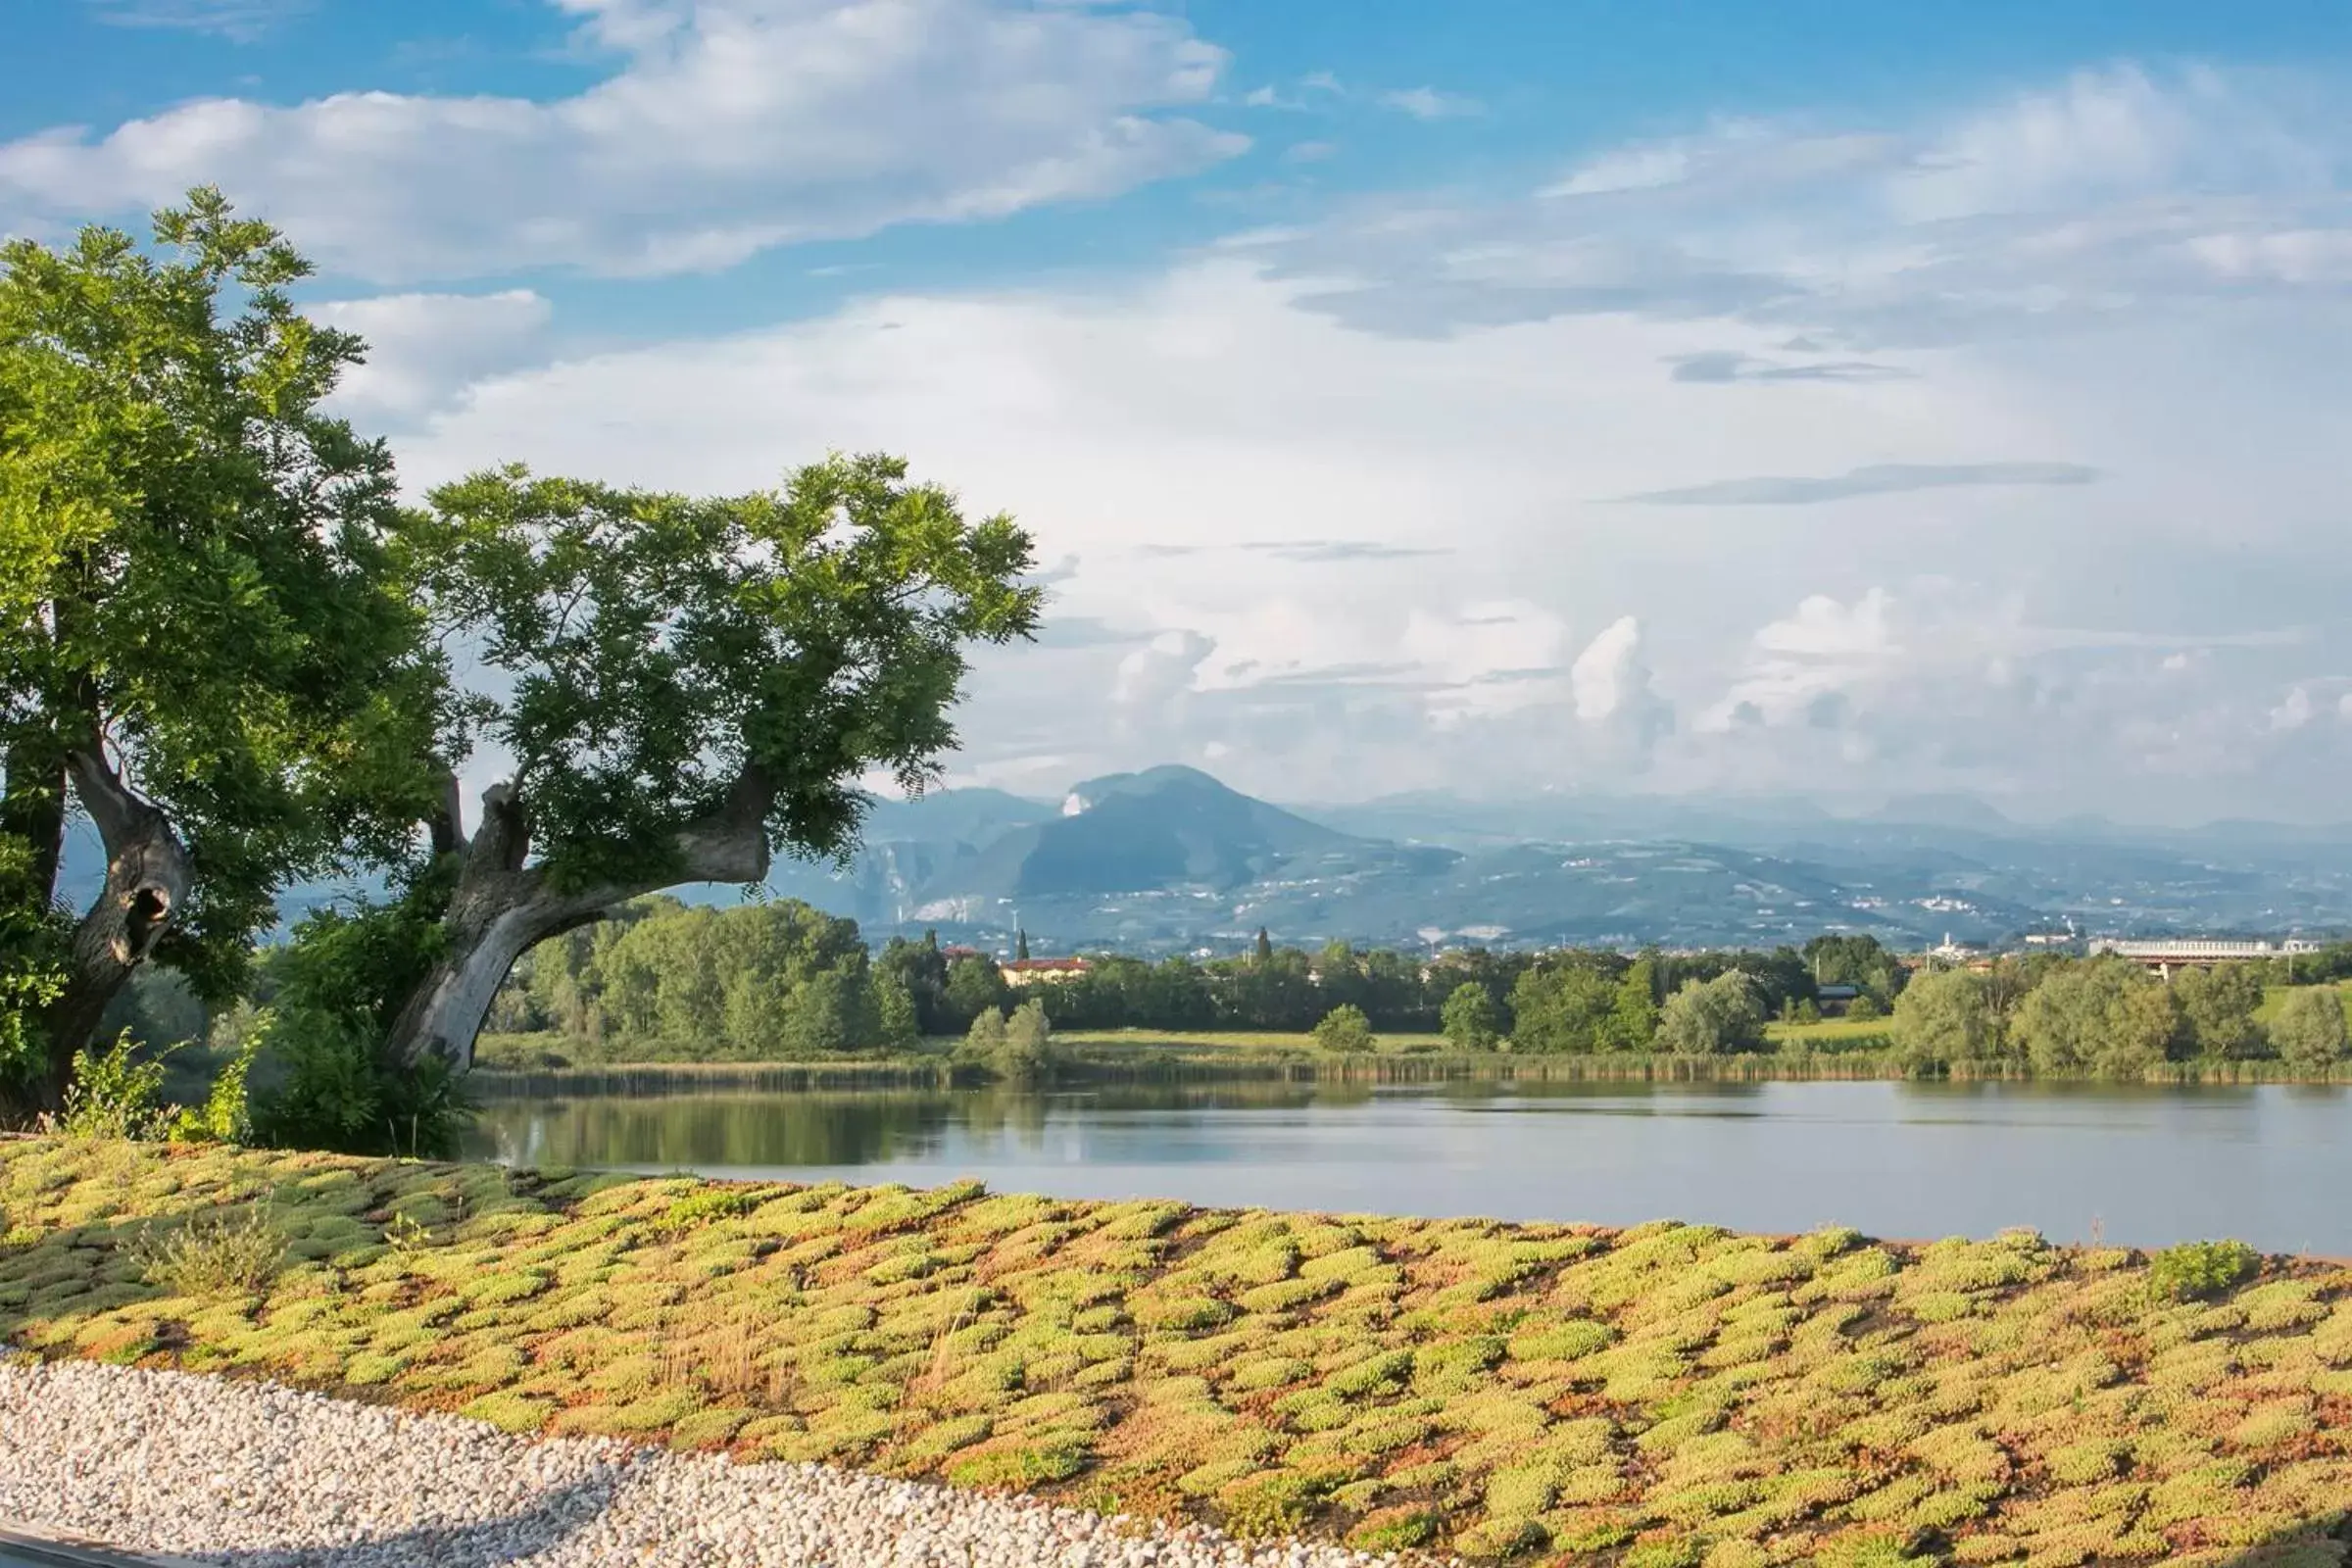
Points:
x=2142 y=1166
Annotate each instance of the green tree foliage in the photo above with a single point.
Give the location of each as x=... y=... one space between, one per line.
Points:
x=2219 y=1006
x=1634 y=1013
x=1026 y=1054
x=1944 y=1016
x=1472 y=1021
x=1781 y=974
x=206 y=636
x=1345 y=1030
x=1117 y=991
x=1850 y=959
x=923 y=969
x=1561 y=1007
x=762 y=982
x=2309 y=1030
x=984 y=1042
x=2104 y=1016
x=897 y=1026
x=2200 y=1270
x=975 y=985
x=1713 y=1018
x=686 y=686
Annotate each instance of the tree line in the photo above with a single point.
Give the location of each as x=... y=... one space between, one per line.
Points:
x=665 y=981
x=782 y=981
x=2111 y=1017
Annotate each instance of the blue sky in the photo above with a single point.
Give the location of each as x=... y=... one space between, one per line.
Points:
x=1491 y=396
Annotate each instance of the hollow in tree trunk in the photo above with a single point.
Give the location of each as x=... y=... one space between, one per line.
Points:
x=147 y=876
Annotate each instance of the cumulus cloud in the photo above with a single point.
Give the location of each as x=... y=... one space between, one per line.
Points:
x=1181 y=436
x=1156 y=673
x=1879 y=478
x=1611 y=693
x=1212 y=440
x=425 y=349
x=1937 y=679
x=730 y=127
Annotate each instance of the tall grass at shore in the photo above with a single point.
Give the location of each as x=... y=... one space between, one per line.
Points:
x=1138 y=1056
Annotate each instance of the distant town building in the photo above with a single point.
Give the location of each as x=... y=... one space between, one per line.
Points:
x=2166 y=954
x=1833 y=999
x=1030 y=971
x=1950 y=952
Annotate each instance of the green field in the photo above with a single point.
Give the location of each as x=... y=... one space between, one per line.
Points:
x=1665 y=1397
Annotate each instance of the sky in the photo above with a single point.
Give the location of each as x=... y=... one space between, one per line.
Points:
x=1497 y=397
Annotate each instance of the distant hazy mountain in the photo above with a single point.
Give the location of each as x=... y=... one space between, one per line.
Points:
x=1170 y=858
x=1964 y=811
x=1163 y=828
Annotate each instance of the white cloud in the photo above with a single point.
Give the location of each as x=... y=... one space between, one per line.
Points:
x=732 y=127
x=238 y=20
x=424 y=349
x=1627 y=168
x=1159 y=672
x=1348 y=484
x=2086 y=203
x=1427 y=103
x=2294 y=711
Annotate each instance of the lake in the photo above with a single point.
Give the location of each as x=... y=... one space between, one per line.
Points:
x=2271 y=1164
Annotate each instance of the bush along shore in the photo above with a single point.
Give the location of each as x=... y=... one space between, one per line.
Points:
x=1669 y=1395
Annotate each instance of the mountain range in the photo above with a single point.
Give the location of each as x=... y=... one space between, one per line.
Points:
x=1171 y=860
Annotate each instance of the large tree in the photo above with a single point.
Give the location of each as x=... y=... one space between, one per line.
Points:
x=676 y=689
x=203 y=646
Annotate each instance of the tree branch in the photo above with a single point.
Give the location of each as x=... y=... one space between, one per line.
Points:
x=447 y=823
x=504 y=838
x=730 y=845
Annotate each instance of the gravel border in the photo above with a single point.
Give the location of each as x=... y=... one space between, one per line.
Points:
x=256 y=1475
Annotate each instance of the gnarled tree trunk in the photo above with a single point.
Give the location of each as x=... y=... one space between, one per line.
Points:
x=147 y=876
x=502 y=908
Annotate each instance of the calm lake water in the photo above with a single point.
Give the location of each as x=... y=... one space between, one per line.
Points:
x=2271 y=1164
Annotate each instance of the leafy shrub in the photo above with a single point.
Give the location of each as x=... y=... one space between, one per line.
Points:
x=2195 y=1270
x=1712 y=1017
x=113 y=1095
x=226 y=1114
x=711 y=1203
x=339 y=1093
x=1345 y=1029
x=1026 y=1054
x=1019 y=1049
x=2308 y=1031
x=1471 y=1020
x=1944 y=1016
x=214 y=1256
x=984 y=1040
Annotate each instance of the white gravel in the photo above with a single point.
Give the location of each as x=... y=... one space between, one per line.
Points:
x=260 y=1476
